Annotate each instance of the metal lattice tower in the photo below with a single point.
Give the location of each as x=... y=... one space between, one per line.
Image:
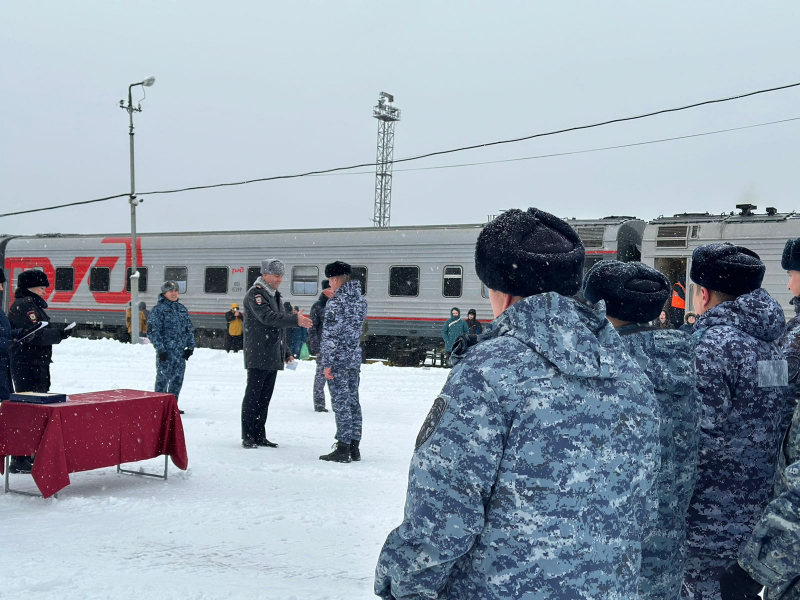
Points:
x=387 y=116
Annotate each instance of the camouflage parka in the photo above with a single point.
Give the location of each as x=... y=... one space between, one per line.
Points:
x=169 y=327
x=345 y=314
x=741 y=377
x=667 y=357
x=532 y=475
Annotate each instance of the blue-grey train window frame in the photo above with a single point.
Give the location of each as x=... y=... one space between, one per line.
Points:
x=361 y=280
x=142 y=279
x=181 y=281
x=392 y=281
x=253 y=273
x=452 y=276
x=99 y=279
x=63 y=273
x=484 y=290
x=218 y=270
x=302 y=284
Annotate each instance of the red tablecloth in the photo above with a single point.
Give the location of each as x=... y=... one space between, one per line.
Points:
x=89 y=431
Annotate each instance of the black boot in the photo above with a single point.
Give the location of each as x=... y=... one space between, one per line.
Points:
x=266 y=443
x=249 y=444
x=341 y=454
x=355 y=453
x=20 y=464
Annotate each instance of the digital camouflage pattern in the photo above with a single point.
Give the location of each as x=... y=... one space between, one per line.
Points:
x=537 y=478
x=170 y=330
x=772 y=556
x=340 y=348
x=345 y=314
x=742 y=379
x=667 y=358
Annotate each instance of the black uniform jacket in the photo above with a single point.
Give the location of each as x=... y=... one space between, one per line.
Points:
x=6 y=335
x=28 y=310
x=265 y=325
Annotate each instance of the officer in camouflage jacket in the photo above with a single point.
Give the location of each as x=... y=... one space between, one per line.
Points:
x=772 y=556
x=634 y=294
x=340 y=348
x=171 y=332
x=532 y=474
x=742 y=378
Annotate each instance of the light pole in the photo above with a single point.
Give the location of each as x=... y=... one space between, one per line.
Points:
x=134 y=279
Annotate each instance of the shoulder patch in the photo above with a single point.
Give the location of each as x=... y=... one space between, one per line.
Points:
x=431 y=421
x=32 y=316
x=793 y=362
x=259 y=299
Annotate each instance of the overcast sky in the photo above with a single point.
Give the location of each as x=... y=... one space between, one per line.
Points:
x=253 y=89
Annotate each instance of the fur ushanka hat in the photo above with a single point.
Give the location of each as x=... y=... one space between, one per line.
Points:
x=633 y=292
x=790 y=261
x=32 y=278
x=726 y=268
x=524 y=253
x=337 y=269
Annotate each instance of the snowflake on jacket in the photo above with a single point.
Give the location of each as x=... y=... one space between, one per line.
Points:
x=345 y=314
x=741 y=377
x=667 y=357
x=169 y=327
x=527 y=480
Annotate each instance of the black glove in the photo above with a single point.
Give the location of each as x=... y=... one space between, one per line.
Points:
x=162 y=356
x=65 y=333
x=736 y=584
x=187 y=353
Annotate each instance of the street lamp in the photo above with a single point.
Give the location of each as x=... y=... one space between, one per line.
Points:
x=134 y=279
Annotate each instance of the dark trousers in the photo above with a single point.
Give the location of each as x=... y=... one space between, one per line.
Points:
x=30 y=377
x=260 y=384
x=233 y=342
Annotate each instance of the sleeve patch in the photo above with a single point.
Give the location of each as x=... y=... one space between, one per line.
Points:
x=773 y=373
x=794 y=367
x=32 y=316
x=431 y=421
x=259 y=299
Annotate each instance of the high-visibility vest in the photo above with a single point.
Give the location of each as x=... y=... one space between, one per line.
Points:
x=677 y=301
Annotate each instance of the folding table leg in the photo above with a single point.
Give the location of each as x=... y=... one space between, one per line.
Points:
x=143 y=474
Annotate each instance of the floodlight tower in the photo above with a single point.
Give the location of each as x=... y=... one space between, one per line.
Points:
x=387 y=116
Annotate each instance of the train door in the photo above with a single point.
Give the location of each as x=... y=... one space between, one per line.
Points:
x=675 y=269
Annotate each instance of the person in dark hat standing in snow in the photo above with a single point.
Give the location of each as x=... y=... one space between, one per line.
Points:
x=265 y=349
x=453 y=329
x=340 y=347
x=532 y=474
x=171 y=332
x=30 y=362
x=742 y=379
x=634 y=294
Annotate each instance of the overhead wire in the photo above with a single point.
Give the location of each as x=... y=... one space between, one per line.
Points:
x=338 y=170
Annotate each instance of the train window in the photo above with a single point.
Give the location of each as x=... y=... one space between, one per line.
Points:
x=304 y=281
x=216 y=280
x=452 y=281
x=253 y=273
x=359 y=274
x=484 y=290
x=404 y=281
x=65 y=279
x=178 y=275
x=99 y=279
x=142 y=279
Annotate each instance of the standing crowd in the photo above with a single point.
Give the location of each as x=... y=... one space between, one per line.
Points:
x=585 y=447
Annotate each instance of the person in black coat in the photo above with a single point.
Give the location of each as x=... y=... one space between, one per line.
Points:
x=7 y=336
x=30 y=362
x=314 y=340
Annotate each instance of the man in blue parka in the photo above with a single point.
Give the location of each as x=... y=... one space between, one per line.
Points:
x=635 y=294
x=532 y=474
x=742 y=379
x=171 y=332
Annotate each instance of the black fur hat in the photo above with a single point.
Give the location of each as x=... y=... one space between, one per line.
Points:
x=633 y=291
x=32 y=278
x=338 y=268
x=790 y=261
x=524 y=253
x=726 y=268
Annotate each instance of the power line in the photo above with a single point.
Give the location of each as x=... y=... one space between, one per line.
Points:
x=461 y=149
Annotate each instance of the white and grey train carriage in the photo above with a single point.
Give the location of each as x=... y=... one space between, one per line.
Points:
x=412 y=276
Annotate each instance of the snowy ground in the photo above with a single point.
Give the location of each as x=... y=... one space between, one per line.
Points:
x=265 y=523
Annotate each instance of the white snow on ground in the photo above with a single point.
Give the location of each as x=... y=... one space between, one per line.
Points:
x=255 y=524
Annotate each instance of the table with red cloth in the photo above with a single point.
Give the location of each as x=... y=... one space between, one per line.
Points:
x=90 y=431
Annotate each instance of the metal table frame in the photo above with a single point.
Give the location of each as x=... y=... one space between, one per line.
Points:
x=7 y=488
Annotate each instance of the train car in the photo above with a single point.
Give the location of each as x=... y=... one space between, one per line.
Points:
x=668 y=243
x=411 y=276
